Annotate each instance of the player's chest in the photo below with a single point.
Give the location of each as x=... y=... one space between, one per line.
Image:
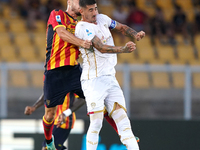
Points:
x=103 y=33
x=70 y=26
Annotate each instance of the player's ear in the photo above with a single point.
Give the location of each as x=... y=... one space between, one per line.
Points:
x=81 y=10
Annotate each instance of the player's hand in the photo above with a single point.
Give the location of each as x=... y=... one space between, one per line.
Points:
x=140 y=35
x=129 y=47
x=29 y=110
x=86 y=44
x=61 y=120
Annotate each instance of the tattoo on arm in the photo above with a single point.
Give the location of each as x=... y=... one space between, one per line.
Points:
x=106 y=48
x=127 y=31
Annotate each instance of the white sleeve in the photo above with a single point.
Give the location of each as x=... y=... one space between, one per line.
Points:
x=85 y=31
x=111 y=23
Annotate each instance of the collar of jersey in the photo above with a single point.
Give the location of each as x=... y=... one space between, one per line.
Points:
x=71 y=16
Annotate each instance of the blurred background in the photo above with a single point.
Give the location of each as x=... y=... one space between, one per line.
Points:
x=160 y=79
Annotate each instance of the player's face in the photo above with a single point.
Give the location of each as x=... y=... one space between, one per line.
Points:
x=75 y=7
x=89 y=13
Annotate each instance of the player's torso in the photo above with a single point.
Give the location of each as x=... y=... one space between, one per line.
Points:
x=59 y=52
x=95 y=63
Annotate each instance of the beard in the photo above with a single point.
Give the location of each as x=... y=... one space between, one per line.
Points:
x=78 y=13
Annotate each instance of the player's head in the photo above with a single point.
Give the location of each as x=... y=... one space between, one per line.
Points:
x=73 y=5
x=88 y=10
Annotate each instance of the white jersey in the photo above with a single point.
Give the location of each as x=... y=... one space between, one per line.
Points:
x=95 y=63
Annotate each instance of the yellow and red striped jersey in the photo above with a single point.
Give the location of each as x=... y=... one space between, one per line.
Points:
x=69 y=99
x=58 y=52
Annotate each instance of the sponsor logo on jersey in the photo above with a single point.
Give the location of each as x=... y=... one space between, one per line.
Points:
x=58 y=19
x=88 y=32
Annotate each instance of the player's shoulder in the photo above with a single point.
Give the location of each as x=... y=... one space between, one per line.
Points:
x=56 y=12
x=102 y=17
x=83 y=24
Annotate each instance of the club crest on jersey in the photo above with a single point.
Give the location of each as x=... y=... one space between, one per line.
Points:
x=48 y=102
x=93 y=105
x=88 y=32
x=58 y=19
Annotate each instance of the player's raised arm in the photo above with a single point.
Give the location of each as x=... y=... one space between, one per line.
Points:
x=128 y=48
x=127 y=31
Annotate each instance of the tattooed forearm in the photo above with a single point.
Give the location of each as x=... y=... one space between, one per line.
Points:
x=106 y=48
x=125 y=30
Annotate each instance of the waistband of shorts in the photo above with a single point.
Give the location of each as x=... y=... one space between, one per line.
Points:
x=67 y=67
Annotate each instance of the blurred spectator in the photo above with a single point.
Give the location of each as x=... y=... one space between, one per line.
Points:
x=137 y=19
x=158 y=26
x=196 y=25
x=179 y=24
x=119 y=15
x=33 y=13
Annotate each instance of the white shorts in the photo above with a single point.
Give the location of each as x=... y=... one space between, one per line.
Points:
x=101 y=92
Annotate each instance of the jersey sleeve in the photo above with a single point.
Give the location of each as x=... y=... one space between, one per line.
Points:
x=57 y=19
x=111 y=23
x=85 y=31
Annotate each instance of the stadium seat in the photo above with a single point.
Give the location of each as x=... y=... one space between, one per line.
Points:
x=190 y=13
x=178 y=62
x=197 y=43
x=126 y=58
x=37 y=78
x=39 y=39
x=178 y=79
x=28 y=54
x=185 y=4
x=5 y=39
x=106 y=9
x=164 y=4
x=160 y=80
x=22 y=39
x=165 y=52
x=6 y=11
x=145 y=49
x=2 y=27
x=119 y=77
x=196 y=80
x=40 y=26
x=185 y=52
x=18 y=78
x=17 y=26
x=41 y=51
x=146 y=54
x=140 y=80
x=195 y=62
x=8 y=53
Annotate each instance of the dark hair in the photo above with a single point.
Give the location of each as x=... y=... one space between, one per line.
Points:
x=84 y=3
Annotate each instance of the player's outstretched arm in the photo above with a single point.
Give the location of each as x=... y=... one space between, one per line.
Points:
x=30 y=109
x=70 y=38
x=128 y=48
x=127 y=31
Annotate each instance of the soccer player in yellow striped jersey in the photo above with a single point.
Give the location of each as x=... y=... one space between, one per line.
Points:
x=62 y=71
x=62 y=132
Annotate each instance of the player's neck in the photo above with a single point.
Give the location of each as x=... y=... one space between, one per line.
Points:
x=85 y=20
x=71 y=13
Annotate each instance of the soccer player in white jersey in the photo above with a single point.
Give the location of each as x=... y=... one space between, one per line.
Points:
x=98 y=80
